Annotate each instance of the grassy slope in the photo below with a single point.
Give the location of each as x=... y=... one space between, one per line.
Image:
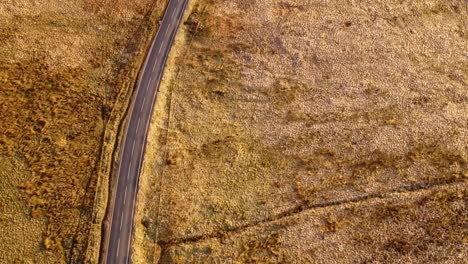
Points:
x=62 y=66
x=282 y=107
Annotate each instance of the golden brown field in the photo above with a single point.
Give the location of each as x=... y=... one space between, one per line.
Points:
x=311 y=132
x=66 y=73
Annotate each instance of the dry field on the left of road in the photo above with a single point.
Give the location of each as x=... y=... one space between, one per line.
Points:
x=66 y=73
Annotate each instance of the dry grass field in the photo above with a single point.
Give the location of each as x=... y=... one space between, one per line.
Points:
x=66 y=73
x=420 y=227
x=21 y=239
x=311 y=132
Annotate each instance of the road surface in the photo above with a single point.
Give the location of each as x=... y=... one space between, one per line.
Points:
x=118 y=247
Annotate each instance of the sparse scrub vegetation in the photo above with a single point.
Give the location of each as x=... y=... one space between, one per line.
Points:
x=66 y=74
x=283 y=109
x=420 y=227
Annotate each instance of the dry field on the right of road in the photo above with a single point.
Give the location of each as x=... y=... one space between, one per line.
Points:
x=278 y=108
x=421 y=227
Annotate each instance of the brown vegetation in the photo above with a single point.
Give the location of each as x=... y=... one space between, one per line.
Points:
x=282 y=107
x=66 y=73
x=419 y=227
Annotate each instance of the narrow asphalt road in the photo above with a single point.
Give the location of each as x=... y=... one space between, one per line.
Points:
x=118 y=247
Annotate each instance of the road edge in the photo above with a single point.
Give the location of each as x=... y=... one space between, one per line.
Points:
x=159 y=110
x=105 y=190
